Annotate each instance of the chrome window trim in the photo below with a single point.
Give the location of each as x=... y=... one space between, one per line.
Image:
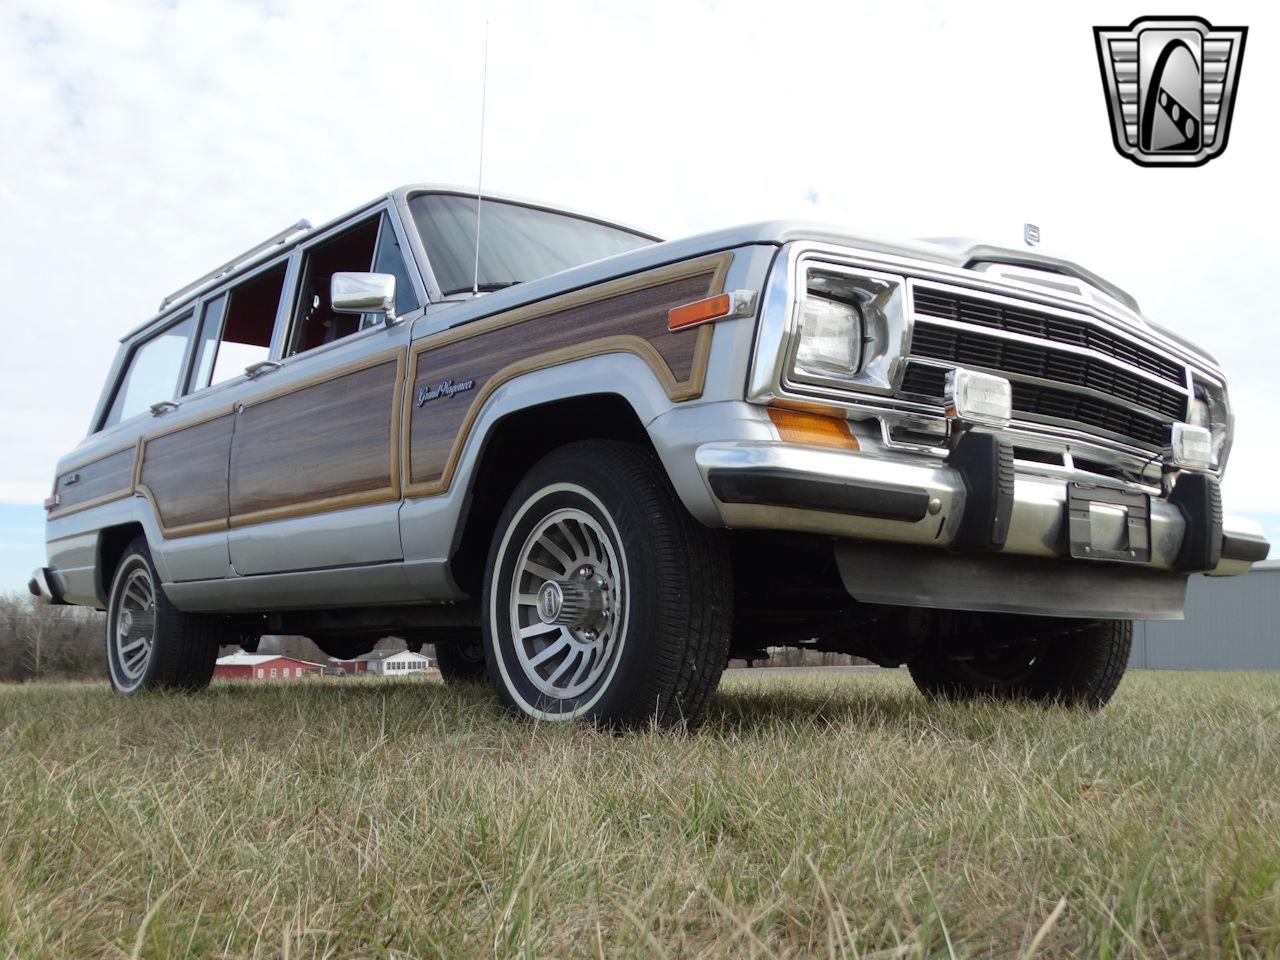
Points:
x=415 y=247
x=416 y=269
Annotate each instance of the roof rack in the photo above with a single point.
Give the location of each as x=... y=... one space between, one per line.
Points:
x=219 y=272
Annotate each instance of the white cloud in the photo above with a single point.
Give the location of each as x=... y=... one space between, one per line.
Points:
x=144 y=142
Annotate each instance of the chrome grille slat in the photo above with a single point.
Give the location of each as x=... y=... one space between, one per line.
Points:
x=966 y=308
x=1066 y=371
x=1033 y=401
x=971 y=348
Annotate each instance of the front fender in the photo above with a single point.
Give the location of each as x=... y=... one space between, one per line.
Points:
x=429 y=525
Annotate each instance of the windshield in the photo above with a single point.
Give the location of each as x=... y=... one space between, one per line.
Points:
x=517 y=243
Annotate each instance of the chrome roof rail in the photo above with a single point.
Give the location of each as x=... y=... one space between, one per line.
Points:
x=219 y=272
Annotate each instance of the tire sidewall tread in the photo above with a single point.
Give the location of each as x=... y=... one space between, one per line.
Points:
x=1080 y=668
x=679 y=600
x=185 y=645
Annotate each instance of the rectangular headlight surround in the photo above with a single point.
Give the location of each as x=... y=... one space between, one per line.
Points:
x=855 y=322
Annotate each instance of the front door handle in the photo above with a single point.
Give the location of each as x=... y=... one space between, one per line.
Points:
x=254 y=370
x=164 y=406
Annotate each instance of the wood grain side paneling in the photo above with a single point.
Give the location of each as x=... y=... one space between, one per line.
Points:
x=183 y=473
x=323 y=445
x=99 y=481
x=626 y=316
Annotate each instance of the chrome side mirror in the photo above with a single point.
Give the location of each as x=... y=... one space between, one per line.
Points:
x=364 y=293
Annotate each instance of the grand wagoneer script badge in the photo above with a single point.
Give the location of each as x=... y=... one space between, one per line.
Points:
x=447 y=388
x=1171 y=86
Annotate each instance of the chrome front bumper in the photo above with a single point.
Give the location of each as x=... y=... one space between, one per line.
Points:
x=45 y=587
x=921 y=503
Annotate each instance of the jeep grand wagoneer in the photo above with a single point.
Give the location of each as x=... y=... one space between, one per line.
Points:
x=592 y=466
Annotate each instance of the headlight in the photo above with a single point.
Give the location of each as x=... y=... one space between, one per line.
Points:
x=830 y=338
x=848 y=329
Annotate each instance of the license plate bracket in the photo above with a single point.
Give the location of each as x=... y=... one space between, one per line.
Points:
x=1107 y=523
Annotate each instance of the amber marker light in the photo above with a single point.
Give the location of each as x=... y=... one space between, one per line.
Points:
x=724 y=306
x=813 y=429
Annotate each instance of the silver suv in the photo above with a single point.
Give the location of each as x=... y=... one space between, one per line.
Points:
x=592 y=466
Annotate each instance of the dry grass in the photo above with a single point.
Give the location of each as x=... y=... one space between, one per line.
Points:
x=828 y=815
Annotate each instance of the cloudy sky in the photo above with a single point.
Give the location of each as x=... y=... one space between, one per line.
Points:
x=144 y=142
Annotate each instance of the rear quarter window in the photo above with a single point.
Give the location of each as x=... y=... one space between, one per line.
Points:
x=153 y=372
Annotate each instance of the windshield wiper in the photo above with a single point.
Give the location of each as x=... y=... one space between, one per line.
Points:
x=485 y=287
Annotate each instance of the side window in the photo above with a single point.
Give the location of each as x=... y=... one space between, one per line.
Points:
x=315 y=323
x=390 y=259
x=236 y=327
x=207 y=344
x=153 y=372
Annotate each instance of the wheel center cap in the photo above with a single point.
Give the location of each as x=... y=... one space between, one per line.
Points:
x=550 y=601
x=126 y=621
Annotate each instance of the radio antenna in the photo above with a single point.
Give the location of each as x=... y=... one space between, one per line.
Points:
x=484 y=93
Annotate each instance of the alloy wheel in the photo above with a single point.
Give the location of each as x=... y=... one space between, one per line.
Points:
x=568 y=603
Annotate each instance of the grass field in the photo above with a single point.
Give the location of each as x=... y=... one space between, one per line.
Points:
x=829 y=814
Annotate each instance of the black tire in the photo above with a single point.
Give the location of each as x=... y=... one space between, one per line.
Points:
x=460 y=657
x=1079 y=667
x=650 y=587
x=151 y=644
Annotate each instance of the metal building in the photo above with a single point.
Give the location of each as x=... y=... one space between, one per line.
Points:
x=1233 y=623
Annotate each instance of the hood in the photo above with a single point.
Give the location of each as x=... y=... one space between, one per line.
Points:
x=961 y=253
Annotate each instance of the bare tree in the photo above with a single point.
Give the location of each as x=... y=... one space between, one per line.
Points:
x=42 y=642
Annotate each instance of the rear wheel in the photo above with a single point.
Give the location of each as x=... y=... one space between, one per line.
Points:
x=603 y=598
x=1077 y=666
x=152 y=645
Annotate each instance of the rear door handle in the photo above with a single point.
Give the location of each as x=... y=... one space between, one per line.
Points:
x=255 y=370
x=164 y=406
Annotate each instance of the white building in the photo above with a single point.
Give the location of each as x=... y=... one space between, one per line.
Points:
x=395 y=663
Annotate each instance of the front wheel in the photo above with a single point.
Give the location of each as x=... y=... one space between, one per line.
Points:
x=460 y=656
x=603 y=598
x=1079 y=666
x=151 y=644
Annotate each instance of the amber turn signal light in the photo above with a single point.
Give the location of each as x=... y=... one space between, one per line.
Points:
x=813 y=429
x=700 y=311
x=725 y=306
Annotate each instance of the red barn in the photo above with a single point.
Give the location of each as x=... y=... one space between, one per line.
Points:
x=263 y=666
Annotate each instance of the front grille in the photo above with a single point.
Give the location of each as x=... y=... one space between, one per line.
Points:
x=924 y=381
x=1046 y=326
x=968 y=348
x=1093 y=387
x=1036 y=402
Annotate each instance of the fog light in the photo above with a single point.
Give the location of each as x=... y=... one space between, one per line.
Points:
x=1191 y=446
x=978 y=398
